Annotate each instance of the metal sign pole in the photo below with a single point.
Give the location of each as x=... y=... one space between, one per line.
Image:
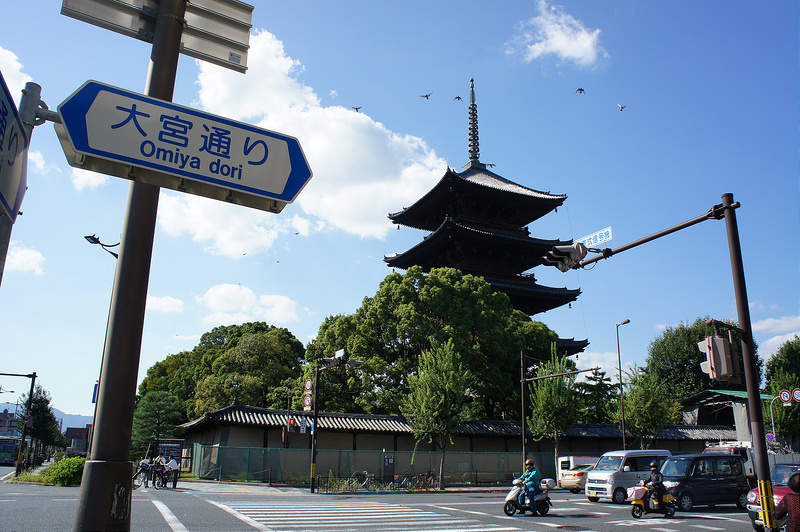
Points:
x=105 y=498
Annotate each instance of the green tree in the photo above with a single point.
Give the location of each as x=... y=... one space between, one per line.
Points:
x=596 y=395
x=157 y=416
x=783 y=373
x=182 y=373
x=256 y=371
x=433 y=406
x=44 y=430
x=786 y=359
x=648 y=407
x=392 y=328
x=674 y=359
x=554 y=399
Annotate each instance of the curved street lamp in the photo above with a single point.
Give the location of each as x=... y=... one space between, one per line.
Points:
x=92 y=239
x=621 y=398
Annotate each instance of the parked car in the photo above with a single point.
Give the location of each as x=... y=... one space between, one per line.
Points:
x=780 y=474
x=616 y=471
x=565 y=463
x=706 y=479
x=574 y=480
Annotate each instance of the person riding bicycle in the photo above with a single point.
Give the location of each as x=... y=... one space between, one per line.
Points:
x=529 y=479
x=655 y=486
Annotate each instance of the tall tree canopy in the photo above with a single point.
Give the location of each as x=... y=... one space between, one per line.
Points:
x=596 y=394
x=247 y=362
x=674 y=359
x=44 y=429
x=391 y=329
x=157 y=416
x=783 y=373
x=433 y=406
x=648 y=407
x=555 y=404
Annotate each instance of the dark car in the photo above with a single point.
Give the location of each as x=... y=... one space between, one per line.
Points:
x=698 y=479
x=780 y=474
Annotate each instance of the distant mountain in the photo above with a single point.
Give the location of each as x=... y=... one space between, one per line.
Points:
x=66 y=420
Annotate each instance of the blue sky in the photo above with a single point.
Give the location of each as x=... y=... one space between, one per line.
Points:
x=711 y=90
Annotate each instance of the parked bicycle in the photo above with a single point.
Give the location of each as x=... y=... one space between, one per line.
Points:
x=360 y=480
x=142 y=476
x=426 y=481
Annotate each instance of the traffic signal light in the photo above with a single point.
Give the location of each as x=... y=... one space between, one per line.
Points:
x=292 y=425
x=565 y=257
x=718 y=365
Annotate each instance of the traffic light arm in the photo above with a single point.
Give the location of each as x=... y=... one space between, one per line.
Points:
x=717 y=212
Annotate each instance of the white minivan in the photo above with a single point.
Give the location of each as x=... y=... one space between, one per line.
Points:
x=616 y=471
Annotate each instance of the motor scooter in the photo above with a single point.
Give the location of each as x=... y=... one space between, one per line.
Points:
x=639 y=507
x=541 y=501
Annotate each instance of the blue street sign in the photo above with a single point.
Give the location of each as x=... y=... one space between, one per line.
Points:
x=122 y=126
x=13 y=146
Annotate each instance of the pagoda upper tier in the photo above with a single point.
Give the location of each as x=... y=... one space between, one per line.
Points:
x=476 y=249
x=477 y=194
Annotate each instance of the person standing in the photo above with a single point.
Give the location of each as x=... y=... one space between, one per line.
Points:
x=789 y=506
x=173 y=469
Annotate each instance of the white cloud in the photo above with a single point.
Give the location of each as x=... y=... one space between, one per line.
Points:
x=362 y=171
x=85 y=179
x=164 y=304
x=769 y=347
x=41 y=167
x=23 y=259
x=606 y=362
x=12 y=73
x=231 y=304
x=554 y=32
x=777 y=325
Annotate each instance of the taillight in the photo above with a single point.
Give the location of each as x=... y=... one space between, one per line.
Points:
x=578 y=474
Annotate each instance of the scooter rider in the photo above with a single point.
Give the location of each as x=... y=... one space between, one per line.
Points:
x=655 y=486
x=529 y=479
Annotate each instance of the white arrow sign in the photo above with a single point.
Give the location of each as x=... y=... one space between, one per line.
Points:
x=140 y=131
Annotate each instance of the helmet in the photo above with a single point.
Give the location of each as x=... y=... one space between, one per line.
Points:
x=653 y=465
x=528 y=462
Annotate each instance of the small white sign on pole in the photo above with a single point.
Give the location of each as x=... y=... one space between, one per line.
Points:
x=597 y=238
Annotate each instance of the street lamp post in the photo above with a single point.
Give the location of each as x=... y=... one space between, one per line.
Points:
x=327 y=364
x=92 y=239
x=621 y=398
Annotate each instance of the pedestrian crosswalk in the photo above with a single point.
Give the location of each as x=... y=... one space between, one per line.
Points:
x=341 y=516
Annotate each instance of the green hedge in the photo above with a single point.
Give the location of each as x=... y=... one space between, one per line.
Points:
x=66 y=472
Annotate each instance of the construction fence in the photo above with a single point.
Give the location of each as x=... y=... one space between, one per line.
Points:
x=293 y=466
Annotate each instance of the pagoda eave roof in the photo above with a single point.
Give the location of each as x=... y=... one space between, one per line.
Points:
x=451 y=234
x=480 y=188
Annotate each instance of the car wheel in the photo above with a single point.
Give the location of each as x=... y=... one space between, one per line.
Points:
x=619 y=496
x=593 y=499
x=757 y=527
x=575 y=490
x=685 y=501
x=741 y=502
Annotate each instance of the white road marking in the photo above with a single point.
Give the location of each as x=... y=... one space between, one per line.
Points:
x=252 y=522
x=169 y=517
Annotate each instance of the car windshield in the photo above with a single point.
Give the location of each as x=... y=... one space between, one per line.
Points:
x=782 y=472
x=608 y=463
x=581 y=468
x=675 y=467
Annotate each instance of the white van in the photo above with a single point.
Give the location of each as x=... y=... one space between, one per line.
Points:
x=565 y=463
x=616 y=471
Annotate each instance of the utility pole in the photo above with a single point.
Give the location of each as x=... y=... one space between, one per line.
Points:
x=105 y=498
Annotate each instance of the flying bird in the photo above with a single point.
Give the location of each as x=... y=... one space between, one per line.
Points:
x=621 y=107
x=457 y=98
x=490 y=165
x=356 y=108
x=581 y=91
x=427 y=96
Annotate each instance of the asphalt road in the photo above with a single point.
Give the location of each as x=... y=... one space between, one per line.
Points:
x=201 y=507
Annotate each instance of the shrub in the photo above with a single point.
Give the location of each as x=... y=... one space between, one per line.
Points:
x=65 y=472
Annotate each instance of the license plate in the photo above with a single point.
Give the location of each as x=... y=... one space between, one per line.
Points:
x=592 y=494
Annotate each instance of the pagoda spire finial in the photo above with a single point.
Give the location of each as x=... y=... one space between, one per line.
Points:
x=474 y=149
